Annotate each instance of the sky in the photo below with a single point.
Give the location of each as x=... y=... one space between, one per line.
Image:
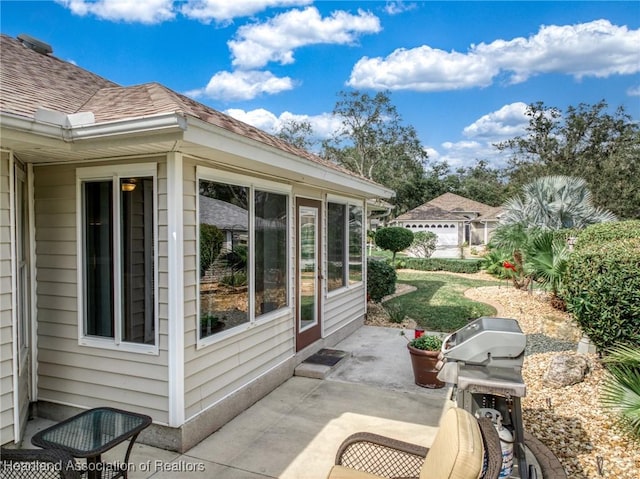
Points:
x=460 y=73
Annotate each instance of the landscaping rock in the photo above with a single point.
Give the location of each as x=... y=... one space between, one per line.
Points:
x=566 y=369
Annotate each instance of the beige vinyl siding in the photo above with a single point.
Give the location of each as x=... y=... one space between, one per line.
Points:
x=6 y=310
x=342 y=307
x=88 y=376
x=217 y=370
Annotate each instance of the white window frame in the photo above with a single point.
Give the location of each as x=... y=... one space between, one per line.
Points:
x=115 y=173
x=226 y=177
x=347 y=202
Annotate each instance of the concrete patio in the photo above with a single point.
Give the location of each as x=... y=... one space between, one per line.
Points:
x=294 y=432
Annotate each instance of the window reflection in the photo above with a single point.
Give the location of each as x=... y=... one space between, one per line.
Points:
x=224 y=238
x=270 y=251
x=226 y=251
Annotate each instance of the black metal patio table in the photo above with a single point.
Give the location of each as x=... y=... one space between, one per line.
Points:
x=91 y=433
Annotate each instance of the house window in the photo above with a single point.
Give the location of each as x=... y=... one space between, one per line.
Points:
x=355 y=244
x=344 y=245
x=243 y=252
x=118 y=257
x=336 y=245
x=270 y=251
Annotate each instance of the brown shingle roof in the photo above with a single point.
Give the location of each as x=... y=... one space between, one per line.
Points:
x=448 y=206
x=30 y=80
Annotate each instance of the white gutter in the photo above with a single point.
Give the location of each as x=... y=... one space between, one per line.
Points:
x=163 y=122
x=63 y=127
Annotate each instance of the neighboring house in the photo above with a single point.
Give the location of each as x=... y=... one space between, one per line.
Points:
x=103 y=189
x=454 y=219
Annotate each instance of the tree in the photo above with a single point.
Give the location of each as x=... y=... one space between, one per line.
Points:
x=394 y=239
x=601 y=146
x=374 y=143
x=424 y=243
x=553 y=203
x=297 y=133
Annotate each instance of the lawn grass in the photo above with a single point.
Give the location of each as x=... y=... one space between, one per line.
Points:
x=439 y=304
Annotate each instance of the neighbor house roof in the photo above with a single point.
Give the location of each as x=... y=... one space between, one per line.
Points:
x=491 y=215
x=448 y=206
x=31 y=81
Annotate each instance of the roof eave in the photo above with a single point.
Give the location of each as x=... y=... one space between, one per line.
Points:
x=162 y=123
x=218 y=138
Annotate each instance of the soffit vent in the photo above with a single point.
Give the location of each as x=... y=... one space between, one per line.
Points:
x=35 y=44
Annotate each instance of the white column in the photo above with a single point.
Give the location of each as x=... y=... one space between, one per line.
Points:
x=176 y=288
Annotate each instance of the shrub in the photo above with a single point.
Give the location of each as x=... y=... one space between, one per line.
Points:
x=602 y=291
x=493 y=262
x=424 y=243
x=394 y=239
x=381 y=279
x=443 y=264
x=395 y=311
x=606 y=232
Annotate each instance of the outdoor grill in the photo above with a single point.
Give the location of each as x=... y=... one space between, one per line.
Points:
x=483 y=362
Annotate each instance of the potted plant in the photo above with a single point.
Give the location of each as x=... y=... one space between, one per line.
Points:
x=424 y=352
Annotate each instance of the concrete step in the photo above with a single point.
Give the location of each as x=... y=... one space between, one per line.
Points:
x=320 y=364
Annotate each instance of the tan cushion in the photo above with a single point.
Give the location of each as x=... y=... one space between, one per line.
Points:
x=457 y=451
x=340 y=472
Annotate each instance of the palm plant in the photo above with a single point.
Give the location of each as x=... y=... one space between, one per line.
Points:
x=554 y=202
x=621 y=390
x=546 y=261
x=512 y=239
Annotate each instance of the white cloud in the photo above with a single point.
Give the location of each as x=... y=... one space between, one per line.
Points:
x=466 y=153
x=147 y=11
x=634 y=91
x=507 y=122
x=597 y=49
x=323 y=125
x=226 y=10
x=274 y=40
x=243 y=85
x=422 y=69
x=396 y=8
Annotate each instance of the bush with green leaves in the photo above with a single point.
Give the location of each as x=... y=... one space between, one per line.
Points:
x=605 y=232
x=381 y=279
x=602 y=291
x=424 y=243
x=443 y=264
x=493 y=262
x=394 y=239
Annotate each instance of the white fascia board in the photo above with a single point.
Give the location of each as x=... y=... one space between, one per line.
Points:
x=214 y=137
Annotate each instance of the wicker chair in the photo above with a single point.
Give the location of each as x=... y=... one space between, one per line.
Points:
x=37 y=463
x=464 y=447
